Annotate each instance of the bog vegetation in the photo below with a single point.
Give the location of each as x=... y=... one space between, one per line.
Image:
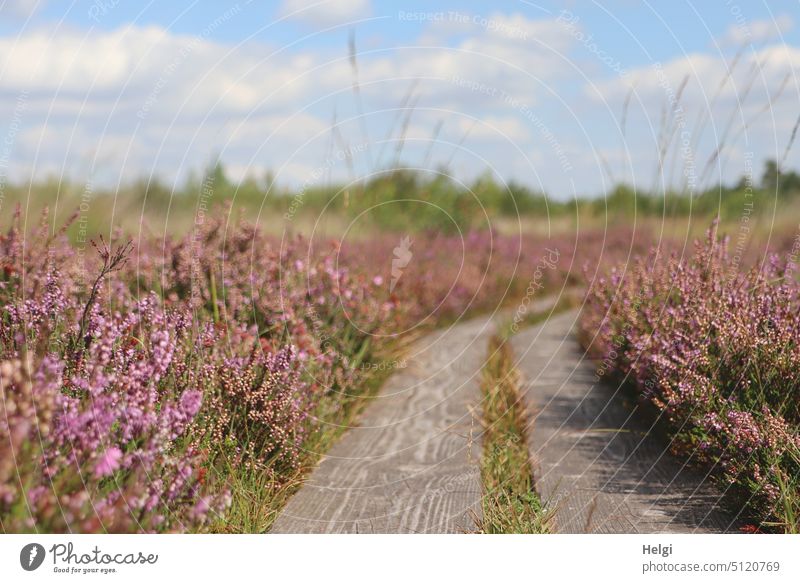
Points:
x=715 y=350
x=188 y=382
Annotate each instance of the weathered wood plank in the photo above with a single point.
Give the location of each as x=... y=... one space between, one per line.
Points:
x=596 y=460
x=411 y=463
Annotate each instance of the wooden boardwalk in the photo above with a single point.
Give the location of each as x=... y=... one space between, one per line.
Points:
x=595 y=459
x=410 y=466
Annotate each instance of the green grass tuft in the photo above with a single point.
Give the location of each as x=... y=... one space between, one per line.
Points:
x=510 y=502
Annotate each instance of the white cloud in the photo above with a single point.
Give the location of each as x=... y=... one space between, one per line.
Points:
x=179 y=99
x=162 y=71
x=753 y=80
x=757 y=31
x=138 y=99
x=750 y=110
x=326 y=13
x=496 y=128
x=499 y=29
x=148 y=96
x=21 y=8
x=288 y=130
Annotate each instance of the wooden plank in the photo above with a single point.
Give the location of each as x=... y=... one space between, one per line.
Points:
x=596 y=460
x=411 y=463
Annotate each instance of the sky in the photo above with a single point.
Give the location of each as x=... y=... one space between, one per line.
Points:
x=568 y=98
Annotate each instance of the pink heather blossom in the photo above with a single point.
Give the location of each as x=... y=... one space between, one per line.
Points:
x=211 y=350
x=191 y=401
x=714 y=347
x=108 y=462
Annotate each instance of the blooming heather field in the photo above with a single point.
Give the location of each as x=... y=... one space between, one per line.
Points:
x=715 y=350
x=174 y=385
x=188 y=384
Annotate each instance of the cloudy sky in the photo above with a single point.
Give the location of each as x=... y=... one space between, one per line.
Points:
x=565 y=97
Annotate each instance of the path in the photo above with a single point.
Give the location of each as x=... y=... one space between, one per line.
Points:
x=594 y=458
x=409 y=466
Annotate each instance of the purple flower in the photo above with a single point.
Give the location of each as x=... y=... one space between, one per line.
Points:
x=191 y=401
x=108 y=462
x=714 y=346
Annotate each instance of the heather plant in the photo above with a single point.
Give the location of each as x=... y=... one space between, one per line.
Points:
x=96 y=404
x=256 y=411
x=716 y=351
x=151 y=387
x=449 y=277
x=124 y=414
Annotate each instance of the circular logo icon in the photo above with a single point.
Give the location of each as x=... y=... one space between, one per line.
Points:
x=31 y=556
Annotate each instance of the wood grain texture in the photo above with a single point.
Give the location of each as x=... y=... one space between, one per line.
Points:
x=596 y=460
x=412 y=463
x=410 y=466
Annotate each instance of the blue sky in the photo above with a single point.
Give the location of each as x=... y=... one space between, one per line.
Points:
x=531 y=91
